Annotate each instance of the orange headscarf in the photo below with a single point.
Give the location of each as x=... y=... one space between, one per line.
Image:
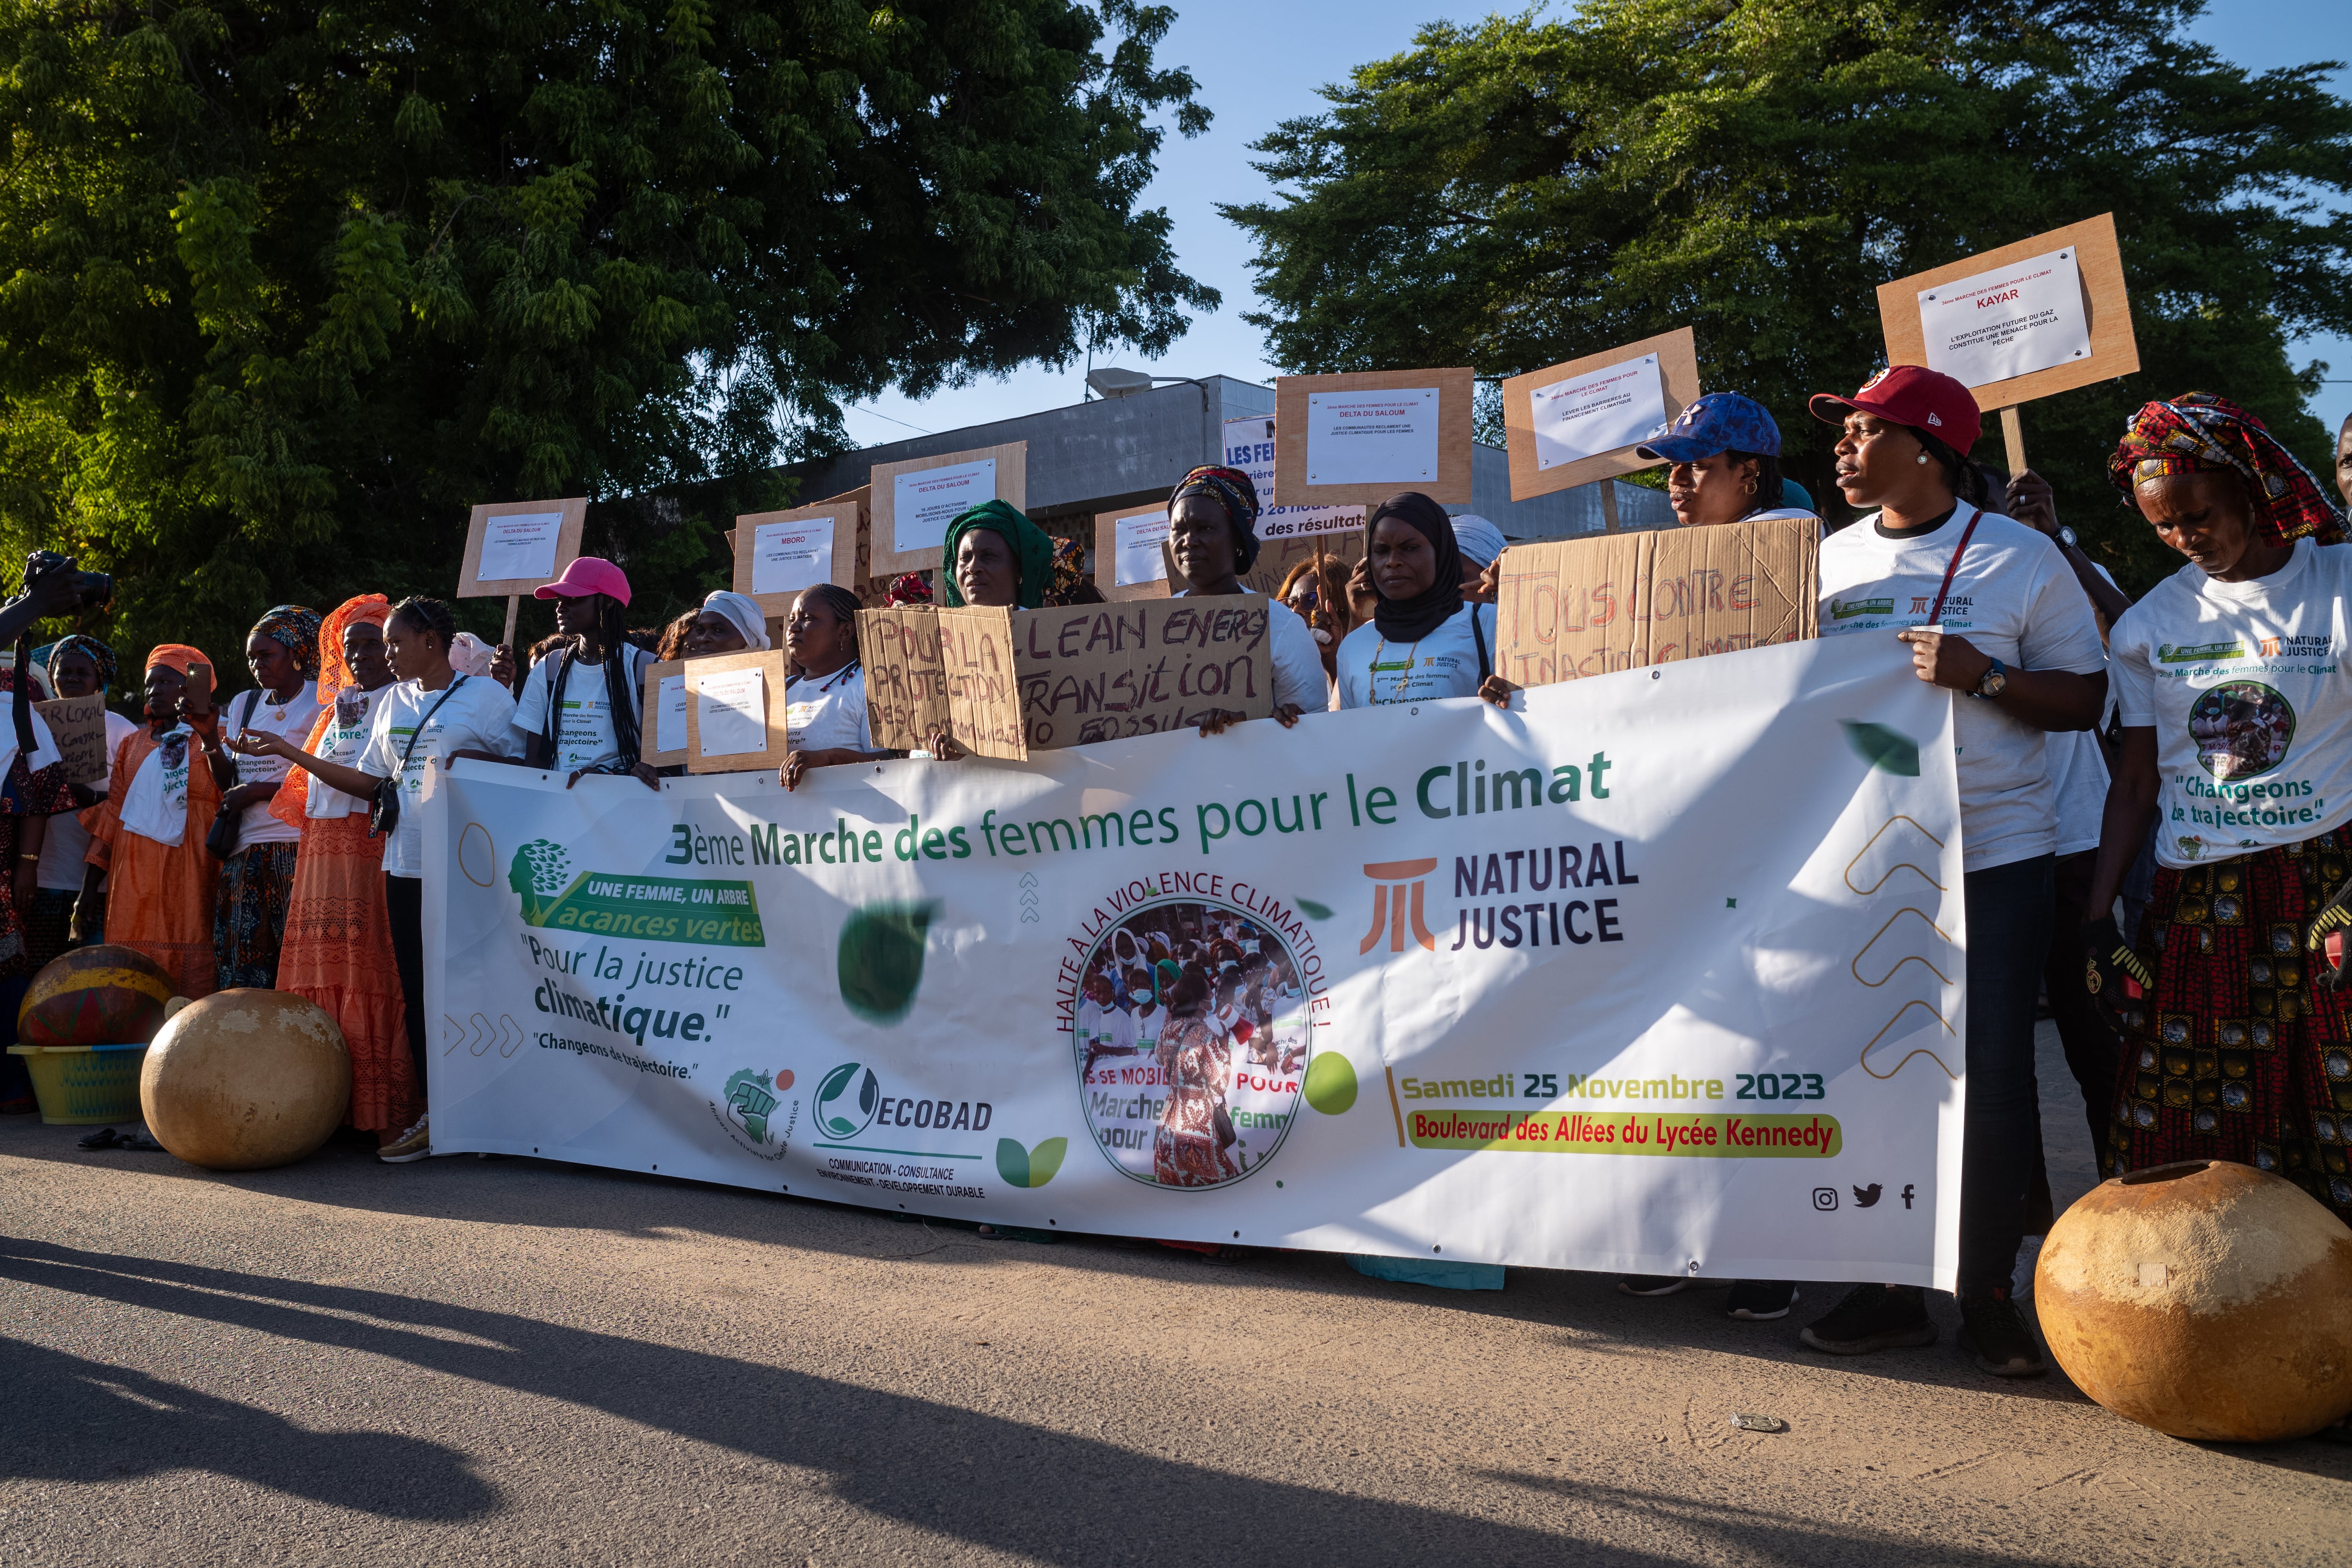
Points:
x=181 y=658
x=290 y=805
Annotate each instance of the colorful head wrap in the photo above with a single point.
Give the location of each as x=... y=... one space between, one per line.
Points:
x=1032 y=548
x=1069 y=570
x=909 y=588
x=2197 y=432
x=180 y=656
x=296 y=627
x=1233 y=490
x=334 y=671
x=99 y=655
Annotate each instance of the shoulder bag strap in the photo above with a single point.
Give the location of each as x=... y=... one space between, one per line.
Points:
x=1478 y=632
x=552 y=727
x=1936 y=616
x=418 y=733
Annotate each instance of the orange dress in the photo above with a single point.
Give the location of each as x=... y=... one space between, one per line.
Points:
x=159 y=896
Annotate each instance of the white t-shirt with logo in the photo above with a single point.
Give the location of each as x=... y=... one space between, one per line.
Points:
x=585 y=737
x=2013 y=597
x=2244 y=685
x=344 y=741
x=1376 y=672
x=479 y=715
x=827 y=712
x=291 y=721
x=66 y=841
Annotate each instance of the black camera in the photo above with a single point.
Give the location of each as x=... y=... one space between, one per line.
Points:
x=95 y=590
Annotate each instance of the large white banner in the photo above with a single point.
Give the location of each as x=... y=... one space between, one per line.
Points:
x=1659 y=972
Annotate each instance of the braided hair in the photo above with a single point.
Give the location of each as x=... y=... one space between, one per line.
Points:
x=620 y=691
x=428 y=615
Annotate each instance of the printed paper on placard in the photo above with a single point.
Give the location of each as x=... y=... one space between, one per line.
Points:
x=924 y=502
x=1372 y=437
x=733 y=717
x=1603 y=411
x=2008 y=323
x=520 y=545
x=1139 y=538
x=669 y=714
x=1309 y=521
x=1249 y=447
x=787 y=557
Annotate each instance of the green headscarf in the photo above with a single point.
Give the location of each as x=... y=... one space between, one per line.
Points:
x=1032 y=547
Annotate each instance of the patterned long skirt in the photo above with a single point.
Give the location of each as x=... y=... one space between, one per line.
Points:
x=2241 y=1053
x=338 y=953
x=249 y=914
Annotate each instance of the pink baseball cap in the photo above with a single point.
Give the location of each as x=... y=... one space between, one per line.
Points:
x=589 y=575
x=1915 y=395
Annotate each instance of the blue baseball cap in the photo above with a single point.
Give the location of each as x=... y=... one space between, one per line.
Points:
x=1720 y=422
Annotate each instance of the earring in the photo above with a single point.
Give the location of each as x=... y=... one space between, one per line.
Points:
x=1751 y=487
x=1921 y=457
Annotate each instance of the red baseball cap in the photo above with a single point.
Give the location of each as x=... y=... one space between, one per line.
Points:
x=589 y=575
x=1910 y=394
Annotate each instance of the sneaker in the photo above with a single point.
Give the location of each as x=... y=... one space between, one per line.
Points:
x=414 y=1144
x=1761 y=1300
x=1653 y=1284
x=1994 y=1335
x=1872 y=1318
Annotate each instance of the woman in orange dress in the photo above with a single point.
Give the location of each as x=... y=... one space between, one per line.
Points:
x=337 y=949
x=147 y=836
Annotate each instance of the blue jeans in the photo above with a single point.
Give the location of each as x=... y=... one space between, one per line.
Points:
x=2009 y=941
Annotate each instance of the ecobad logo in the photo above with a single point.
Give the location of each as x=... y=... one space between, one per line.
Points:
x=847 y=1098
x=752 y=1110
x=648 y=909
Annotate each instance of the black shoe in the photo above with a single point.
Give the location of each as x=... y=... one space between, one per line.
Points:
x=104 y=1138
x=1993 y=1333
x=1761 y=1300
x=1872 y=1318
x=1653 y=1284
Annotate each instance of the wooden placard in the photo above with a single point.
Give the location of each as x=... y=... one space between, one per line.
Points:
x=1106 y=556
x=1011 y=461
x=929 y=671
x=1451 y=482
x=770 y=664
x=2114 y=350
x=575 y=514
x=845 y=569
x=78 y=725
x=1677 y=354
x=667 y=756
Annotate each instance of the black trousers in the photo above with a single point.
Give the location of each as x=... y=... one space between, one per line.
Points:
x=404 y=899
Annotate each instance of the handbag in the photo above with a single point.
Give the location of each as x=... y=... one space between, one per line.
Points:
x=384 y=809
x=220 y=839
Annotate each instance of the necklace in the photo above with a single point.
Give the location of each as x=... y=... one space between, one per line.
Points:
x=1377 y=668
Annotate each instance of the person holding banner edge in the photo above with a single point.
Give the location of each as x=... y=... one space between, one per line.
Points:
x=1423 y=641
x=598 y=724
x=1992 y=612
x=825 y=705
x=996 y=559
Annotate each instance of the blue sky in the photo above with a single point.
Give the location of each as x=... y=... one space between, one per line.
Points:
x=1260 y=64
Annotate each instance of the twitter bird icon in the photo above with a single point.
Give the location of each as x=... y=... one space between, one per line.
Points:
x=1866 y=1196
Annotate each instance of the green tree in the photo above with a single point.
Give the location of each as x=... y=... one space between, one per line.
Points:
x=1526 y=191
x=285 y=288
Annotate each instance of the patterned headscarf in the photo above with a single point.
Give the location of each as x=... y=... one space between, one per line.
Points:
x=908 y=589
x=296 y=626
x=1033 y=548
x=334 y=671
x=99 y=655
x=2197 y=432
x=1233 y=490
x=1069 y=570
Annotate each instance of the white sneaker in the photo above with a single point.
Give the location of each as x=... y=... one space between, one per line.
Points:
x=414 y=1144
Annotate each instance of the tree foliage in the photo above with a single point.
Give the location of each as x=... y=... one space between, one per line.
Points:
x=1526 y=191
x=287 y=285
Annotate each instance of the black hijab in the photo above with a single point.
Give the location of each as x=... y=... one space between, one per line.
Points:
x=1409 y=620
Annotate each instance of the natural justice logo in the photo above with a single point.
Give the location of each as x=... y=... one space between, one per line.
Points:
x=647 y=908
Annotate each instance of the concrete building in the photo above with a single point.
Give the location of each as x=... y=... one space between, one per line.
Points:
x=1125 y=450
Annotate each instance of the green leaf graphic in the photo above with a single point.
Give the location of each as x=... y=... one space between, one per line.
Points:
x=1887 y=750
x=1313 y=911
x=1045 y=1159
x=1331 y=1083
x=1012 y=1162
x=880 y=965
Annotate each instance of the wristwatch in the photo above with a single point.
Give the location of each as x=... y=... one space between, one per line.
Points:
x=1992 y=682
x=2066 y=537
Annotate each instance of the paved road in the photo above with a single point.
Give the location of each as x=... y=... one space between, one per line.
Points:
x=523 y=1363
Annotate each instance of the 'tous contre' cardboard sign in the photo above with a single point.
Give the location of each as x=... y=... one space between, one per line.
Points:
x=516 y=547
x=1593 y=607
x=1575 y=423
x=1358 y=438
x=1005 y=682
x=913 y=501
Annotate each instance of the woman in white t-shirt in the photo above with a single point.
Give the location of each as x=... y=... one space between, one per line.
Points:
x=249 y=906
x=57 y=917
x=2237 y=744
x=1213 y=535
x=1992 y=613
x=825 y=708
x=431 y=717
x=582 y=707
x=1422 y=642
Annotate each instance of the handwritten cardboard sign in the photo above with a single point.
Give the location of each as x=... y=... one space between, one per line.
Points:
x=78 y=725
x=1594 y=606
x=1004 y=683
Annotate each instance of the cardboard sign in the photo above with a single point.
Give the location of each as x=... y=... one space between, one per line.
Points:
x=663 y=745
x=516 y=547
x=2014 y=324
x=1579 y=422
x=734 y=712
x=1004 y=683
x=1131 y=555
x=78 y=725
x=913 y=501
x=1594 y=606
x=1356 y=439
x=779 y=554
